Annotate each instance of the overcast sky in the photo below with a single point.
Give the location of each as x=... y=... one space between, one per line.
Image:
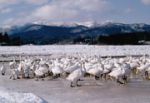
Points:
x=14 y=12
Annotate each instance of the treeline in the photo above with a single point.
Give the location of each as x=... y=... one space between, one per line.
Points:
x=5 y=39
x=113 y=39
x=125 y=38
x=116 y=39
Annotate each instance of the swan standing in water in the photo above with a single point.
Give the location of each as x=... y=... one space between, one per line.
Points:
x=76 y=75
x=13 y=64
x=57 y=68
x=41 y=70
x=121 y=72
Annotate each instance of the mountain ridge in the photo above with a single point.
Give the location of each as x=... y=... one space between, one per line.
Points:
x=49 y=34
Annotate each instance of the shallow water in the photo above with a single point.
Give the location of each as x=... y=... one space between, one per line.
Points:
x=91 y=91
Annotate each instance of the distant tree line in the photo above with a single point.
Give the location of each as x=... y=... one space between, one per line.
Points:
x=5 y=39
x=113 y=39
x=124 y=38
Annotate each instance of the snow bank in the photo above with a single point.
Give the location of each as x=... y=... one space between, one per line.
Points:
x=15 y=97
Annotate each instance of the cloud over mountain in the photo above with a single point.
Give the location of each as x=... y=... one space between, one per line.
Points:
x=48 y=11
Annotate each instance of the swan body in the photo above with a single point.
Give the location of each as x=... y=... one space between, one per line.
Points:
x=75 y=76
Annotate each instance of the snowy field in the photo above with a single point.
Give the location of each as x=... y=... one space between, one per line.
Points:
x=58 y=90
x=78 y=49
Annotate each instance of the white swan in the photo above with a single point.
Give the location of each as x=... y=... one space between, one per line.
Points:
x=121 y=73
x=41 y=71
x=14 y=74
x=143 y=70
x=28 y=72
x=116 y=74
x=13 y=64
x=96 y=71
x=57 y=68
x=143 y=67
x=71 y=67
x=75 y=76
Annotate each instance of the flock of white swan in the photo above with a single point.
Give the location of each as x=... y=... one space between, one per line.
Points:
x=120 y=70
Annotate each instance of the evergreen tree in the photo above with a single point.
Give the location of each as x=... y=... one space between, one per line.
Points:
x=1 y=36
x=6 y=38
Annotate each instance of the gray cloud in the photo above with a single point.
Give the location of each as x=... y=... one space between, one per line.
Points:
x=61 y=11
x=146 y=2
x=69 y=9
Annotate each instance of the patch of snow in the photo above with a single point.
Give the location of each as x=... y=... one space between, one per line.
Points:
x=16 y=97
x=74 y=50
x=37 y=27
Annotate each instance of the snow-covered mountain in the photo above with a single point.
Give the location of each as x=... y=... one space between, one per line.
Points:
x=105 y=28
